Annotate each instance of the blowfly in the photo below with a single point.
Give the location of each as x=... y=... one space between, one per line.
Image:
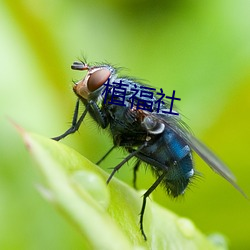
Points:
x=159 y=139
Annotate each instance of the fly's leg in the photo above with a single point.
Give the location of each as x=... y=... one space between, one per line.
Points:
x=145 y=196
x=100 y=117
x=124 y=161
x=136 y=167
x=105 y=155
x=75 y=124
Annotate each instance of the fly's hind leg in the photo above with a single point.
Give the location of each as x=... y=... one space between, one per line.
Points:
x=145 y=196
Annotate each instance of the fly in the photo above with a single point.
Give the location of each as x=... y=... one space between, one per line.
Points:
x=161 y=140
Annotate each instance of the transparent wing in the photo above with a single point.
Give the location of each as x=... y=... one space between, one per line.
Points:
x=206 y=154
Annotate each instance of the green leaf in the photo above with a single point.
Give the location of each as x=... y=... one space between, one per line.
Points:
x=107 y=215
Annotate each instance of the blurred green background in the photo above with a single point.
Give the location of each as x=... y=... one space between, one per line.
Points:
x=200 y=49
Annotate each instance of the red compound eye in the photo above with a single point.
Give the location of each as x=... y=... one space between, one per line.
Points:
x=97 y=79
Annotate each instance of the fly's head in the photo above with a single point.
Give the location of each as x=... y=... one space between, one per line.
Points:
x=94 y=79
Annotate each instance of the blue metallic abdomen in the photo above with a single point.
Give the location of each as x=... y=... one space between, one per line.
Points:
x=167 y=153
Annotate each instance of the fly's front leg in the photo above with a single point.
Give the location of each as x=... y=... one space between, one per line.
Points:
x=75 y=123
